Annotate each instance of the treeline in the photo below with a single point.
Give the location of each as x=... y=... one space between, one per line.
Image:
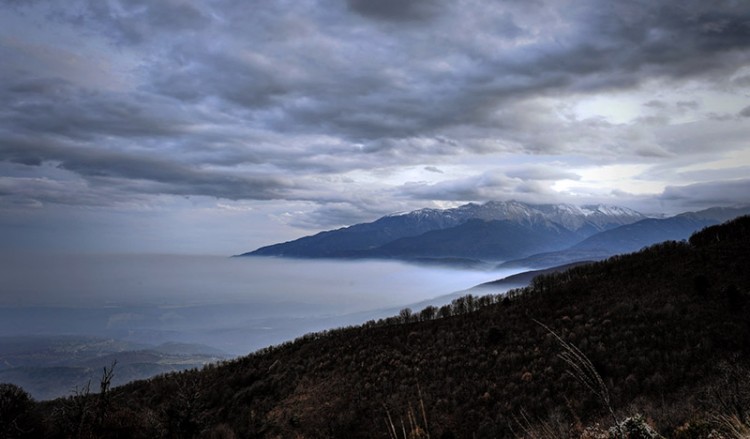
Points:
x=667 y=331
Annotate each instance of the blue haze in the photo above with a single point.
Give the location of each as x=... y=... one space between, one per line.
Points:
x=235 y=304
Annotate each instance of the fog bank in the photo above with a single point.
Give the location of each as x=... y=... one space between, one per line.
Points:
x=235 y=304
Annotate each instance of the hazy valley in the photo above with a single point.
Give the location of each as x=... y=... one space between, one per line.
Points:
x=209 y=308
x=486 y=363
x=663 y=333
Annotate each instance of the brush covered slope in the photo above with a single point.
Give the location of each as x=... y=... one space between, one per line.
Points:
x=667 y=329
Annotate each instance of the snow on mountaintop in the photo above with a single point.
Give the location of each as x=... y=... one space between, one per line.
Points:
x=605 y=209
x=391 y=231
x=596 y=217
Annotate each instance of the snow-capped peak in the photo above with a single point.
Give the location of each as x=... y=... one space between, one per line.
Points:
x=594 y=217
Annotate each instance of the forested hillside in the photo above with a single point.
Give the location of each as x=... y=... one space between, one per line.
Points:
x=666 y=329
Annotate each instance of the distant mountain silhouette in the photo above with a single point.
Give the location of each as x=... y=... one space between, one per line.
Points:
x=489 y=240
x=515 y=233
x=631 y=237
x=492 y=231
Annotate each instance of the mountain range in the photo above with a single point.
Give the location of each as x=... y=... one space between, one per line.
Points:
x=511 y=233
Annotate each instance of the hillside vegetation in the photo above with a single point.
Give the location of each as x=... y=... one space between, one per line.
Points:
x=666 y=329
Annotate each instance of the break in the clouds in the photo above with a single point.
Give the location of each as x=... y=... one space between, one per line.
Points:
x=311 y=114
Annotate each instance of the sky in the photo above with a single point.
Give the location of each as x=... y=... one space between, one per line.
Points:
x=218 y=126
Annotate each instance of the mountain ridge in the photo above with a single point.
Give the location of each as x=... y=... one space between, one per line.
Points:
x=503 y=234
x=377 y=238
x=631 y=237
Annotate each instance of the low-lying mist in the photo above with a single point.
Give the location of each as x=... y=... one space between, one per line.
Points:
x=234 y=304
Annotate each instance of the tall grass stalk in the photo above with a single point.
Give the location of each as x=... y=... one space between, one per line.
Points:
x=734 y=426
x=536 y=430
x=415 y=430
x=583 y=371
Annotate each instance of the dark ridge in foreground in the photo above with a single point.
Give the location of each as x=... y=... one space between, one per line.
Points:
x=667 y=329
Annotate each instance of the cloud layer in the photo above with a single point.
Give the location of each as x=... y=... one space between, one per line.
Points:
x=328 y=112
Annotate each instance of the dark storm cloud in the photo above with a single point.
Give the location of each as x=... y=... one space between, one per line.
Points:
x=709 y=194
x=396 y=10
x=703 y=139
x=389 y=89
x=487 y=186
x=249 y=83
x=243 y=100
x=116 y=168
x=132 y=21
x=35 y=193
x=674 y=38
x=113 y=138
x=612 y=46
x=46 y=106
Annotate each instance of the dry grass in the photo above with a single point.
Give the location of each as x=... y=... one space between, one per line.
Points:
x=414 y=427
x=735 y=427
x=583 y=371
